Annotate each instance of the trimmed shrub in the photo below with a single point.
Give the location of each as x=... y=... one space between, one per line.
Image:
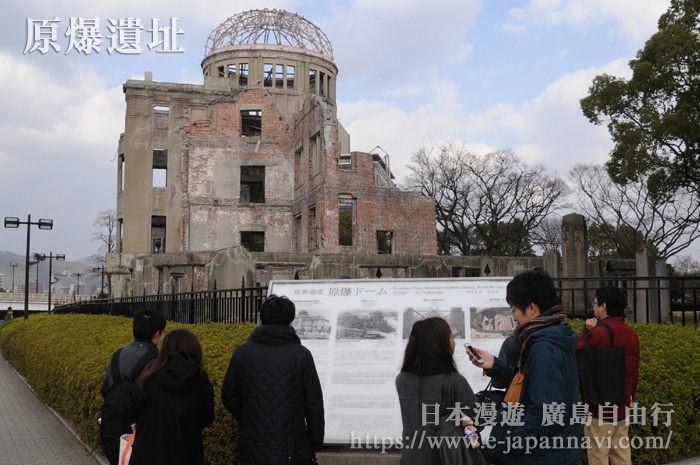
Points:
x=65 y=358
x=669 y=381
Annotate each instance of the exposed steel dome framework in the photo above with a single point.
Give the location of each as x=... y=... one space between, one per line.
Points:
x=273 y=27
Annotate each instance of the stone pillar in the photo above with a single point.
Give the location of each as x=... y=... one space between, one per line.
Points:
x=551 y=262
x=647 y=307
x=665 y=292
x=574 y=245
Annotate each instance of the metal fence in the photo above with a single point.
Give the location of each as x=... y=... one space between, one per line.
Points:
x=650 y=300
x=217 y=306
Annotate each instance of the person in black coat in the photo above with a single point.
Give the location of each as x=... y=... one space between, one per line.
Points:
x=176 y=404
x=272 y=389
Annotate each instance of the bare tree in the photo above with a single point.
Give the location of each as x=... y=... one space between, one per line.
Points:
x=547 y=236
x=686 y=264
x=485 y=204
x=106 y=222
x=670 y=222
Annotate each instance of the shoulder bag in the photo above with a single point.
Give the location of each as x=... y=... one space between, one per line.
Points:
x=126 y=442
x=601 y=371
x=458 y=451
x=491 y=395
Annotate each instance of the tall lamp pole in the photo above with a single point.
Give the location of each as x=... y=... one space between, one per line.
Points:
x=13 y=222
x=77 y=291
x=39 y=258
x=13 y=265
x=101 y=269
x=59 y=257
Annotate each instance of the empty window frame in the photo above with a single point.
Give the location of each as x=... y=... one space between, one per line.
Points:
x=160 y=168
x=322 y=84
x=120 y=175
x=267 y=74
x=279 y=76
x=315 y=153
x=311 y=228
x=232 y=71
x=385 y=242
x=345 y=162
x=251 y=123
x=242 y=74
x=161 y=117
x=297 y=233
x=346 y=220
x=254 y=241
x=312 y=81
x=157 y=234
x=290 y=77
x=120 y=234
x=297 y=169
x=253 y=184
x=222 y=71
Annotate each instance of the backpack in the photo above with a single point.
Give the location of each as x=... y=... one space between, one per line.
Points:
x=119 y=405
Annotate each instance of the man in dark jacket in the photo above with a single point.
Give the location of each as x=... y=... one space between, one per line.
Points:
x=608 y=426
x=148 y=328
x=537 y=428
x=272 y=389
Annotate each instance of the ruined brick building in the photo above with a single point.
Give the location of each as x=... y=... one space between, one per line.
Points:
x=254 y=157
x=250 y=177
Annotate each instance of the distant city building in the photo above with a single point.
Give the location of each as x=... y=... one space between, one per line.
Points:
x=33 y=288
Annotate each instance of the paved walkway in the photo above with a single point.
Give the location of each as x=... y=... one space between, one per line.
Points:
x=30 y=434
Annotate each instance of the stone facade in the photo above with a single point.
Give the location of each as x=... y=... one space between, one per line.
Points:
x=254 y=157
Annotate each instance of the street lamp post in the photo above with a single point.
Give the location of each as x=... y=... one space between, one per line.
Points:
x=39 y=258
x=77 y=291
x=14 y=222
x=13 y=265
x=101 y=269
x=59 y=257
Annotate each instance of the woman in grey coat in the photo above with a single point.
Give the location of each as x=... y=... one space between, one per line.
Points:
x=427 y=364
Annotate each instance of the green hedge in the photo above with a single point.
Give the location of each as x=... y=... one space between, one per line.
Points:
x=669 y=374
x=64 y=358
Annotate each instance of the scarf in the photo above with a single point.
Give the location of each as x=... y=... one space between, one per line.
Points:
x=551 y=317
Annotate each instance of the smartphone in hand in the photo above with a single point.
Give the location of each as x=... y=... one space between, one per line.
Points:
x=471 y=350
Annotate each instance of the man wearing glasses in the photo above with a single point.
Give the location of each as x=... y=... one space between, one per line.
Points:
x=608 y=425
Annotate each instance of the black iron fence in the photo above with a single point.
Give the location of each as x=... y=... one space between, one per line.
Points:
x=217 y=306
x=650 y=299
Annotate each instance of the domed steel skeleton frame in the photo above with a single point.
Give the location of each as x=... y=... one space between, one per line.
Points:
x=275 y=27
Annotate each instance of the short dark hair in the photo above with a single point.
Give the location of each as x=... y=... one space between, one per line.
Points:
x=614 y=298
x=534 y=287
x=277 y=311
x=147 y=323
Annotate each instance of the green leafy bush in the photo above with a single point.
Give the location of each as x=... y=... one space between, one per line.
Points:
x=64 y=358
x=669 y=380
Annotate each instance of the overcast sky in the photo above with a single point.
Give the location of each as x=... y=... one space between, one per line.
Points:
x=494 y=74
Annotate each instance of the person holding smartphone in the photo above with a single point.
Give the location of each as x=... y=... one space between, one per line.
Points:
x=544 y=385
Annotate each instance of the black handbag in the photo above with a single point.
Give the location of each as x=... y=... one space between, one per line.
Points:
x=491 y=396
x=458 y=451
x=601 y=371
